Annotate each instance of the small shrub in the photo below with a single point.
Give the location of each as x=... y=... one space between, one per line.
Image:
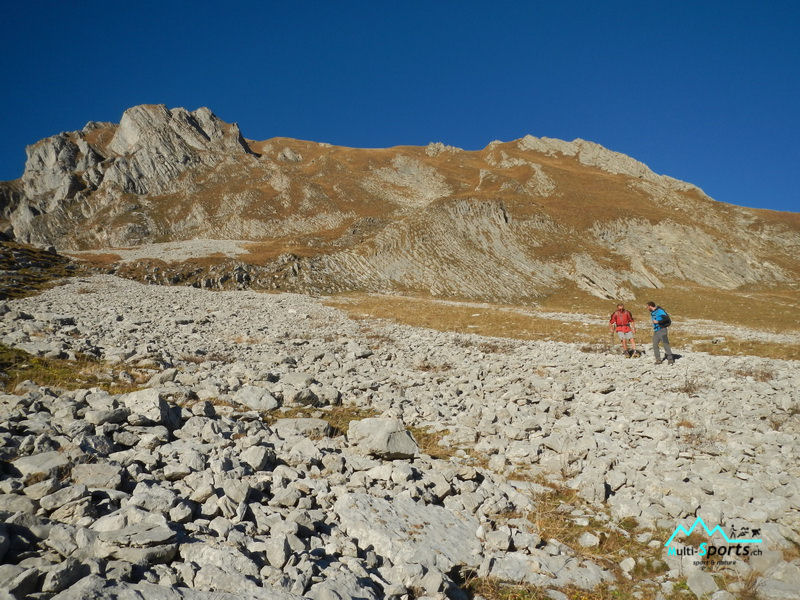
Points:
x=691 y=386
x=432 y=368
x=762 y=374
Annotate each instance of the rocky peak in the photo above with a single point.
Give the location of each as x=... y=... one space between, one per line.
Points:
x=153 y=127
x=145 y=154
x=156 y=144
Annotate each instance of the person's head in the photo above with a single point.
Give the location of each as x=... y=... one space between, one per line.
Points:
x=620 y=306
x=651 y=306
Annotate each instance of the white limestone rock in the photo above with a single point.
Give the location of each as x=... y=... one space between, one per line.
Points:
x=386 y=438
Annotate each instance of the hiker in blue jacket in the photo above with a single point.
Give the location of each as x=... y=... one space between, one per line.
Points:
x=661 y=322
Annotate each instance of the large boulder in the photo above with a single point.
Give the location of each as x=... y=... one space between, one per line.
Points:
x=149 y=408
x=406 y=531
x=42 y=466
x=386 y=438
x=255 y=397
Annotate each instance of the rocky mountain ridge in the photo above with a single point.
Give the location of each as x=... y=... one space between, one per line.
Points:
x=512 y=222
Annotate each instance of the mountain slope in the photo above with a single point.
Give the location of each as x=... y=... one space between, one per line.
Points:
x=516 y=221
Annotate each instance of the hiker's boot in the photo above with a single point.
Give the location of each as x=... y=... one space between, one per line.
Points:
x=670 y=361
x=659 y=361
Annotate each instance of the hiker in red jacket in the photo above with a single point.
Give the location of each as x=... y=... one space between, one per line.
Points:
x=622 y=322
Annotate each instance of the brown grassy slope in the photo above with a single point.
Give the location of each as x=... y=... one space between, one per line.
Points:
x=497 y=320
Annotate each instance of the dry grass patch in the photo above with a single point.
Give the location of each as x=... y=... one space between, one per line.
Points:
x=553 y=519
x=29 y=271
x=338 y=417
x=100 y=136
x=487 y=347
x=498 y=320
x=495 y=589
x=762 y=374
x=491 y=588
x=376 y=339
x=733 y=347
x=429 y=367
x=428 y=442
x=767 y=309
x=97 y=259
x=17 y=366
x=493 y=320
x=495 y=348
x=691 y=386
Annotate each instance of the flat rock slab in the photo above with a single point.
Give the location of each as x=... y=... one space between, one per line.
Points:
x=98 y=475
x=411 y=532
x=42 y=465
x=14 y=503
x=224 y=557
x=141 y=534
x=147 y=407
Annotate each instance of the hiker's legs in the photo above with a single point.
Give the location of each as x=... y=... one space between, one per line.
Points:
x=656 y=341
x=667 y=349
x=633 y=344
x=623 y=341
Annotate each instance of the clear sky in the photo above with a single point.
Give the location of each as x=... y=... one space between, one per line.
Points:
x=708 y=92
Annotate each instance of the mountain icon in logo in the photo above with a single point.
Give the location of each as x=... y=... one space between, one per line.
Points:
x=711 y=532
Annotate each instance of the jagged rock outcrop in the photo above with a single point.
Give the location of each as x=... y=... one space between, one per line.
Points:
x=156 y=145
x=73 y=176
x=514 y=221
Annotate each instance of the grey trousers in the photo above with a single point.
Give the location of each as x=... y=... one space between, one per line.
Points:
x=660 y=337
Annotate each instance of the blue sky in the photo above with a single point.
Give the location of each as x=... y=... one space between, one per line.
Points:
x=708 y=92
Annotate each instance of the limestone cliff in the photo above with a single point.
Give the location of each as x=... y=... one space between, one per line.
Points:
x=513 y=221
